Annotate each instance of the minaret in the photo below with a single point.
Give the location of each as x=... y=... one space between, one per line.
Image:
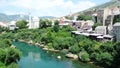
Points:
x=21 y=16
x=30 y=21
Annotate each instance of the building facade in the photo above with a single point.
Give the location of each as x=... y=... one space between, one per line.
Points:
x=33 y=22
x=101 y=30
x=116 y=31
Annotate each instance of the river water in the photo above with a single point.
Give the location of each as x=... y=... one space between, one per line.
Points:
x=35 y=57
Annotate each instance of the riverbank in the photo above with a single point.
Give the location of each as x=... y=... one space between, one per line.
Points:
x=35 y=57
x=64 y=41
x=46 y=48
x=69 y=55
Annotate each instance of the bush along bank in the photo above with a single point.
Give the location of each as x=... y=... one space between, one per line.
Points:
x=8 y=54
x=106 y=54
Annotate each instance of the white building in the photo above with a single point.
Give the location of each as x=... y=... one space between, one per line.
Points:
x=3 y=24
x=12 y=25
x=33 y=22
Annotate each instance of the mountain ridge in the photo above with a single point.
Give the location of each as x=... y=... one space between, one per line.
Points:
x=7 y=18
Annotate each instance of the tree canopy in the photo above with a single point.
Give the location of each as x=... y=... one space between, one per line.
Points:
x=84 y=17
x=21 y=24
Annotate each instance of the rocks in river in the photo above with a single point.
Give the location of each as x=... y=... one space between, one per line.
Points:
x=30 y=42
x=59 y=57
x=45 y=48
x=41 y=45
x=13 y=46
x=70 y=55
x=53 y=50
x=37 y=44
x=21 y=40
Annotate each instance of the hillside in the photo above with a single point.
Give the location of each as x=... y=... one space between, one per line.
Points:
x=102 y=6
x=8 y=18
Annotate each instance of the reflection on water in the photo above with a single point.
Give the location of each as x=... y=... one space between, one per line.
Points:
x=34 y=57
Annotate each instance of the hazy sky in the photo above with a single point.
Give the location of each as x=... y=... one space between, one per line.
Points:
x=46 y=7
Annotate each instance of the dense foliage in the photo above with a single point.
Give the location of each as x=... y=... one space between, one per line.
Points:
x=106 y=54
x=8 y=54
x=3 y=29
x=45 y=23
x=21 y=24
x=116 y=19
x=84 y=17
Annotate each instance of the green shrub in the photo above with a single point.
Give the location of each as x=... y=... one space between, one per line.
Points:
x=50 y=45
x=75 y=48
x=2 y=65
x=13 y=65
x=2 y=55
x=85 y=57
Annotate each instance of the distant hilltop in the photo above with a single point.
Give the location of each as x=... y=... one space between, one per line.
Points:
x=8 y=18
x=102 y=6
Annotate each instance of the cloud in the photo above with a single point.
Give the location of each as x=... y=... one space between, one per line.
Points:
x=49 y=7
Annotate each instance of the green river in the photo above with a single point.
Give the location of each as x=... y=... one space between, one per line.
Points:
x=35 y=57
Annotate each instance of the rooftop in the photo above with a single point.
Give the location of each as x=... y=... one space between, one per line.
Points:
x=100 y=27
x=117 y=24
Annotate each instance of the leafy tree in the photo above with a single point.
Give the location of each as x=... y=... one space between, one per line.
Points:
x=21 y=24
x=13 y=65
x=116 y=19
x=3 y=45
x=85 y=57
x=107 y=47
x=2 y=65
x=2 y=29
x=48 y=22
x=45 y=23
x=42 y=24
x=55 y=45
x=84 y=17
x=56 y=26
x=116 y=63
x=104 y=58
x=12 y=55
x=2 y=55
x=69 y=17
x=75 y=48
x=96 y=24
x=7 y=41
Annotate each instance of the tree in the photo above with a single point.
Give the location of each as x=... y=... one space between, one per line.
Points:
x=56 y=26
x=117 y=55
x=84 y=17
x=104 y=58
x=48 y=22
x=42 y=24
x=21 y=24
x=7 y=42
x=116 y=19
x=12 y=55
x=13 y=65
x=85 y=57
x=2 y=65
x=2 y=55
x=69 y=17
x=75 y=48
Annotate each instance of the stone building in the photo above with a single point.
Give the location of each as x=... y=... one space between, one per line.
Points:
x=101 y=30
x=116 y=31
